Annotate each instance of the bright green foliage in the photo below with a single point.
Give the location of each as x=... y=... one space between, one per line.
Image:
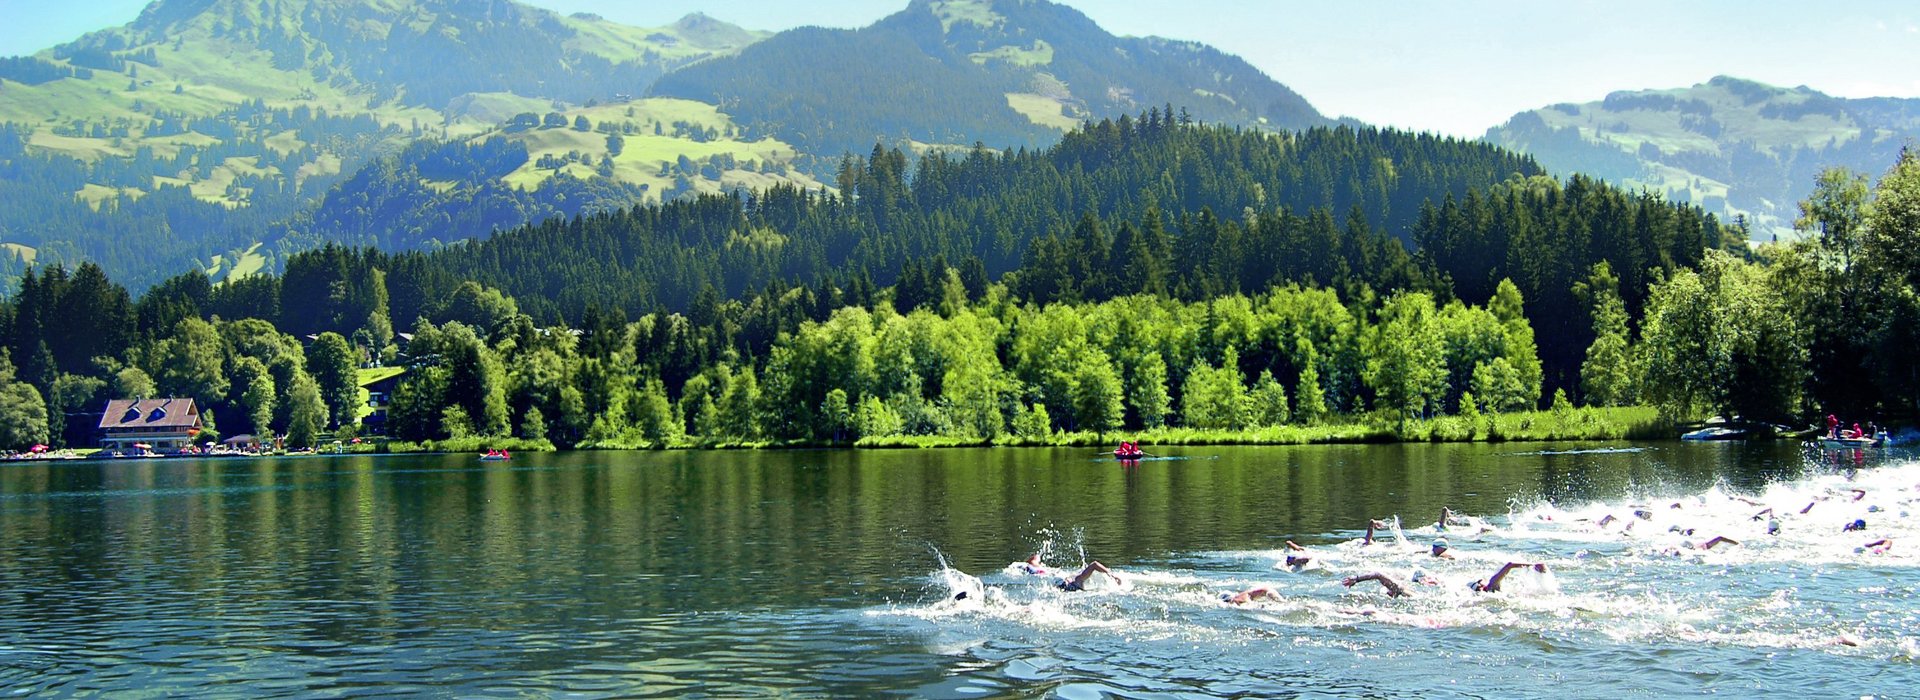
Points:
x=1311 y=402
x=1215 y=398
x=1607 y=375
x=653 y=414
x=331 y=363
x=875 y=418
x=1147 y=395
x=737 y=419
x=307 y=413
x=256 y=393
x=1269 y=402
x=23 y=416
x=73 y=394
x=190 y=363
x=455 y=422
x=478 y=307
x=837 y=415
x=133 y=383
x=1520 y=350
x=1499 y=387
x=1722 y=340
x=1032 y=422
x=1096 y=394
x=533 y=425
x=1406 y=365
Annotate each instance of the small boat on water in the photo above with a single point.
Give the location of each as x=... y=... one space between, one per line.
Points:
x=1128 y=452
x=1715 y=433
x=496 y=456
x=1852 y=443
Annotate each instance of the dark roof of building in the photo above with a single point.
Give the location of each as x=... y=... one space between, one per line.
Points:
x=150 y=413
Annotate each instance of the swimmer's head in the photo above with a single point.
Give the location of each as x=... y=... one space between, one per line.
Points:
x=960 y=596
x=1439 y=546
x=1419 y=576
x=1226 y=597
x=1873 y=509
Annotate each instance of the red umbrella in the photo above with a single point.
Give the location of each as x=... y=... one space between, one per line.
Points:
x=39 y=448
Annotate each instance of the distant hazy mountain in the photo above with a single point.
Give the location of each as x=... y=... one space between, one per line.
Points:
x=1734 y=146
x=225 y=133
x=957 y=71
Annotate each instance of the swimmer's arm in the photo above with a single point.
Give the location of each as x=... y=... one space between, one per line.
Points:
x=1295 y=547
x=1393 y=588
x=1717 y=540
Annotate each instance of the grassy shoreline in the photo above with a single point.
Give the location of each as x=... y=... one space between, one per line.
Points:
x=1580 y=424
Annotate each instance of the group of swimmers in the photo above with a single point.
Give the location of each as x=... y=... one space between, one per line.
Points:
x=1298 y=558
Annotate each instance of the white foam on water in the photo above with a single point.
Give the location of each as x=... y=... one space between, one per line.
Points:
x=1811 y=586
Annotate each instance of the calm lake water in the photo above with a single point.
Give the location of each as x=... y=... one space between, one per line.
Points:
x=831 y=573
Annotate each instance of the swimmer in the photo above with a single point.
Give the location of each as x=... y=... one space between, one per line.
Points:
x=1447 y=517
x=1857 y=525
x=1492 y=583
x=1297 y=562
x=1032 y=566
x=1079 y=581
x=1394 y=589
x=1879 y=546
x=1439 y=550
x=1371 y=526
x=1250 y=595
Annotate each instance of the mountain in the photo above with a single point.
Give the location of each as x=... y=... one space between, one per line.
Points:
x=227 y=134
x=206 y=128
x=1734 y=146
x=953 y=72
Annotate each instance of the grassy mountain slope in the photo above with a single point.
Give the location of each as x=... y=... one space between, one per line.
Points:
x=225 y=134
x=1733 y=146
x=174 y=102
x=952 y=72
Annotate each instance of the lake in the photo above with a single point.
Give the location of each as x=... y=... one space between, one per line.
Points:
x=832 y=573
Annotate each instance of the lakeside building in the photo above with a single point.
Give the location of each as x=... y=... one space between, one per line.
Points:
x=156 y=424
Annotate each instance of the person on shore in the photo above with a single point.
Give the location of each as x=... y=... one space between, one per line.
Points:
x=1250 y=595
x=1833 y=426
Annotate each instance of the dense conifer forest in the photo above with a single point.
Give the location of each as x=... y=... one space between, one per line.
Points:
x=1095 y=285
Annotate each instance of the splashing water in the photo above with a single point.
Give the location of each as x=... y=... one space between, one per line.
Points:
x=1788 y=569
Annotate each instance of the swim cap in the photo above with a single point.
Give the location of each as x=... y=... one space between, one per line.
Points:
x=960 y=596
x=1873 y=509
x=1440 y=543
x=1226 y=597
x=1419 y=576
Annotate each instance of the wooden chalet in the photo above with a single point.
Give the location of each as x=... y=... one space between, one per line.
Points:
x=131 y=425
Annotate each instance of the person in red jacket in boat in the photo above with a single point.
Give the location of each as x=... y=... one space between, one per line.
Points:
x=1128 y=450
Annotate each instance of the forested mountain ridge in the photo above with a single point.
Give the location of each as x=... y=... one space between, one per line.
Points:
x=953 y=72
x=1730 y=145
x=227 y=134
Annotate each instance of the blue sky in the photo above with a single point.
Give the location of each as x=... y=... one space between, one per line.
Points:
x=1455 y=67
